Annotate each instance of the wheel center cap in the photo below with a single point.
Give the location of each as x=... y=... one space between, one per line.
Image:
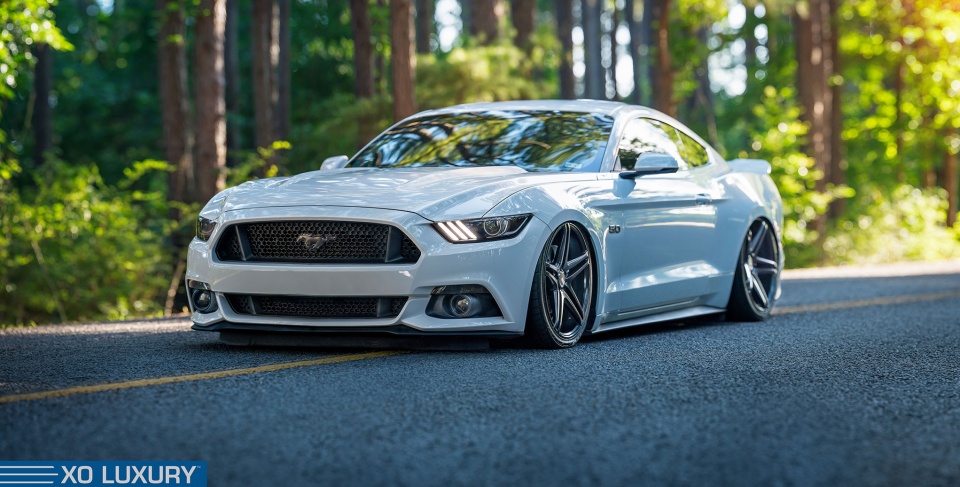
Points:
x=562 y=278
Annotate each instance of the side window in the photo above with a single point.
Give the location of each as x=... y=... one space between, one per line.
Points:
x=642 y=136
x=692 y=152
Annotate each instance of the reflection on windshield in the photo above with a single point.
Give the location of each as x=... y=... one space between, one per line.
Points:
x=534 y=140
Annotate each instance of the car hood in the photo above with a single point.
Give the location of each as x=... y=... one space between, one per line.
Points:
x=430 y=192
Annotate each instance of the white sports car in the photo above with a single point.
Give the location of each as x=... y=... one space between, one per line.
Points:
x=545 y=219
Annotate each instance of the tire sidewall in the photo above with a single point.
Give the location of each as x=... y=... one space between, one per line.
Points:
x=539 y=314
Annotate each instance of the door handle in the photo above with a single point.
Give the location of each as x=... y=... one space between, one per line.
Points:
x=703 y=199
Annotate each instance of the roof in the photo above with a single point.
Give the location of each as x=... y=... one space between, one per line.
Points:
x=587 y=106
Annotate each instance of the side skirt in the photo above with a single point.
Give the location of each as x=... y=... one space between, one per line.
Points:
x=667 y=316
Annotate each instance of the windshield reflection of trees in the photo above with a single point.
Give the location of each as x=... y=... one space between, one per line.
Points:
x=533 y=140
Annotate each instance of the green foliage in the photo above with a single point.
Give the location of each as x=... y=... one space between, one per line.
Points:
x=107 y=111
x=793 y=172
x=897 y=132
x=687 y=49
x=75 y=248
x=25 y=23
x=338 y=130
x=474 y=74
x=905 y=224
x=253 y=164
x=463 y=75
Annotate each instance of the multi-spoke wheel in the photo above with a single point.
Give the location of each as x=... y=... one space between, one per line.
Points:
x=757 y=276
x=562 y=297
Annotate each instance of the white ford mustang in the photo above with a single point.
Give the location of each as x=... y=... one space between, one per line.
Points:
x=544 y=219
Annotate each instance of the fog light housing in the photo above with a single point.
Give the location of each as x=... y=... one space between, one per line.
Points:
x=464 y=305
x=201 y=296
x=458 y=302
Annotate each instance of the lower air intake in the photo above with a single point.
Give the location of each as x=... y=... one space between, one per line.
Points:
x=316 y=307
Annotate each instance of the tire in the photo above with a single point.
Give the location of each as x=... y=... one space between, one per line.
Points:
x=757 y=276
x=561 y=298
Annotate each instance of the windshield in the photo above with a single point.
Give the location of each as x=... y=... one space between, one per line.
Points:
x=533 y=140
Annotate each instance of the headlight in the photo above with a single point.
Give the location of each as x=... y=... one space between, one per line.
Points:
x=205 y=228
x=482 y=229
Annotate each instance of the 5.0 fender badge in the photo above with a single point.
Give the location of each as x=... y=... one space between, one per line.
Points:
x=314 y=242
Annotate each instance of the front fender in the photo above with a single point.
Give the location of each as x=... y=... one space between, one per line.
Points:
x=589 y=204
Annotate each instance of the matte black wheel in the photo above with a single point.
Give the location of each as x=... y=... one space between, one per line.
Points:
x=757 y=276
x=562 y=296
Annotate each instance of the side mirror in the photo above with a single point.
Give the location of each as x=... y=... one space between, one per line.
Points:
x=652 y=163
x=335 y=162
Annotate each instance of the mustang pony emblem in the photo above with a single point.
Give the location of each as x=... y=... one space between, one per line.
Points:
x=314 y=242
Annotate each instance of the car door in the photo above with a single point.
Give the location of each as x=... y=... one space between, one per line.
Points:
x=668 y=225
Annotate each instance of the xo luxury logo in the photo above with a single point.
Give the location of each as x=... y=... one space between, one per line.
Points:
x=104 y=473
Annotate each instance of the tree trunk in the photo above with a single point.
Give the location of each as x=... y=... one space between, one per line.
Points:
x=485 y=20
x=747 y=33
x=42 y=116
x=565 y=33
x=231 y=68
x=633 y=47
x=210 y=103
x=523 y=13
x=900 y=168
x=425 y=24
x=951 y=181
x=661 y=72
x=704 y=94
x=929 y=177
x=282 y=118
x=643 y=69
x=900 y=163
x=466 y=19
x=380 y=74
x=265 y=57
x=838 y=166
x=612 y=72
x=362 y=48
x=815 y=64
x=172 y=79
x=594 y=82
x=403 y=61
x=363 y=65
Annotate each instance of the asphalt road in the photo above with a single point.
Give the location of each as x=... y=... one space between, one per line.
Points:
x=855 y=382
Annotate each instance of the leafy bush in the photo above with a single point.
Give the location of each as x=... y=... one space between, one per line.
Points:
x=794 y=173
x=906 y=224
x=73 y=248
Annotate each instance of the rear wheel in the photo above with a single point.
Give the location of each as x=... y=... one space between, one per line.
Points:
x=757 y=275
x=562 y=296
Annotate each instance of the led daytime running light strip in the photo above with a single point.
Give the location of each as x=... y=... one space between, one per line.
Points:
x=457 y=231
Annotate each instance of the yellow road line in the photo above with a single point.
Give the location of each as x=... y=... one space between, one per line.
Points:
x=914 y=298
x=70 y=391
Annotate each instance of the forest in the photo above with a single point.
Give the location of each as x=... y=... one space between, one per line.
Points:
x=120 y=118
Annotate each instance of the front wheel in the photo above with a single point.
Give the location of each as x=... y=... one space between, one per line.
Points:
x=562 y=296
x=757 y=276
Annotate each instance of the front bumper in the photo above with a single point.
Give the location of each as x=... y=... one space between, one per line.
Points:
x=504 y=267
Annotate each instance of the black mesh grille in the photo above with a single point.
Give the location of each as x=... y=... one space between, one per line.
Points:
x=315 y=241
x=241 y=304
x=396 y=306
x=409 y=251
x=229 y=246
x=316 y=307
